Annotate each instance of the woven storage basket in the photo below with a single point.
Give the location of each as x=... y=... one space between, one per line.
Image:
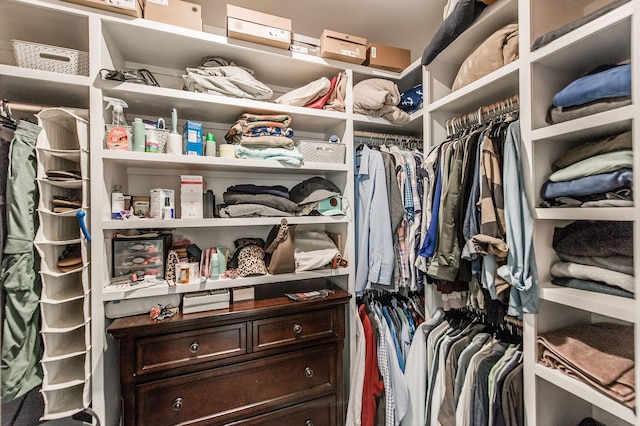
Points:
x=50 y=58
x=321 y=151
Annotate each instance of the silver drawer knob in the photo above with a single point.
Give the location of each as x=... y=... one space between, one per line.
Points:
x=308 y=423
x=177 y=404
x=297 y=328
x=194 y=347
x=308 y=372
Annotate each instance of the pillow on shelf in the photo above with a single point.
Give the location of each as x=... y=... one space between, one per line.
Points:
x=500 y=49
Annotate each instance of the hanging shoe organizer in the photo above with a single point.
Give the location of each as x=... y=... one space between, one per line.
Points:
x=63 y=182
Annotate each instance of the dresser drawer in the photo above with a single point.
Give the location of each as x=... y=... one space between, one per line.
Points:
x=228 y=393
x=319 y=412
x=289 y=329
x=179 y=349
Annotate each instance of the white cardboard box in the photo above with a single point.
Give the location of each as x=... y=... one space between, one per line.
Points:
x=191 y=189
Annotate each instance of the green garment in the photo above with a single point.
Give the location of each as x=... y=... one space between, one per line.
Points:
x=591 y=149
x=21 y=343
x=603 y=163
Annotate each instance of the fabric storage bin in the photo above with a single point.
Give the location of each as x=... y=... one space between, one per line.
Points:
x=61 y=403
x=65 y=315
x=63 y=129
x=321 y=151
x=65 y=371
x=58 y=229
x=50 y=58
x=62 y=288
x=65 y=343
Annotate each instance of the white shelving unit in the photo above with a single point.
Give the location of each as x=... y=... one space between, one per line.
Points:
x=550 y=397
x=109 y=39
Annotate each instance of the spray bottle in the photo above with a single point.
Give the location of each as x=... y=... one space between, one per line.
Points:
x=118 y=134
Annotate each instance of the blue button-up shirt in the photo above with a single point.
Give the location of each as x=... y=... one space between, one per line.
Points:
x=374 y=244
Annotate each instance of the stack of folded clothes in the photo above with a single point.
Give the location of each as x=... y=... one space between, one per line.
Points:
x=599 y=355
x=265 y=137
x=604 y=88
x=319 y=94
x=596 y=174
x=249 y=200
x=595 y=256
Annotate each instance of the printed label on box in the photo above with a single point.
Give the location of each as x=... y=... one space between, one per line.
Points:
x=299 y=49
x=160 y=2
x=131 y=4
x=346 y=52
x=276 y=33
x=373 y=52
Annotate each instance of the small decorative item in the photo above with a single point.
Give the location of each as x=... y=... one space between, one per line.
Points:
x=160 y=312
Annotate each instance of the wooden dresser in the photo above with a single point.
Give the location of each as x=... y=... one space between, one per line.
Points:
x=260 y=362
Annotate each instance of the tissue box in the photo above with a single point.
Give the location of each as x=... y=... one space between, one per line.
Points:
x=321 y=151
x=258 y=27
x=191 y=197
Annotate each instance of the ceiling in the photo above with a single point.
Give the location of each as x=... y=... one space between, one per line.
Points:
x=409 y=24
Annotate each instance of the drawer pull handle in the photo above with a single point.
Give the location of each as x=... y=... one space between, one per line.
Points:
x=194 y=347
x=297 y=328
x=308 y=423
x=308 y=372
x=177 y=404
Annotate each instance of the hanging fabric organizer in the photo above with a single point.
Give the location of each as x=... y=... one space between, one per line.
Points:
x=62 y=176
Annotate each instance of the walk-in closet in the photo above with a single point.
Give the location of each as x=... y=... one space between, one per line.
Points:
x=330 y=213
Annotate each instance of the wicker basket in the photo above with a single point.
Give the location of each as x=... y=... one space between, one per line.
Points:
x=50 y=58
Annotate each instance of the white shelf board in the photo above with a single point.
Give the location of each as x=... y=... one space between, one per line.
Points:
x=604 y=304
x=494 y=17
x=584 y=213
x=614 y=27
x=189 y=162
x=382 y=125
x=500 y=84
x=45 y=88
x=585 y=392
x=163 y=289
x=158 y=101
x=219 y=222
x=273 y=66
x=589 y=127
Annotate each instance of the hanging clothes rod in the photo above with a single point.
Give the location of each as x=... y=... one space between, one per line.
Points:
x=385 y=136
x=484 y=113
x=8 y=106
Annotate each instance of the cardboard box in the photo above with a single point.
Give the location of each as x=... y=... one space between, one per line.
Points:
x=157 y=203
x=125 y=7
x=343 y=47
x=304 y=44
x=174 y=12
x=192 y=138
x=258 y=27
x=387 y=57
x=191 y=197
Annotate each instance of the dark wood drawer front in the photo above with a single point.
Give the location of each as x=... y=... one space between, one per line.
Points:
x=289 y=329
x=222 y=394
x=180 y=349
x=319 y=412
